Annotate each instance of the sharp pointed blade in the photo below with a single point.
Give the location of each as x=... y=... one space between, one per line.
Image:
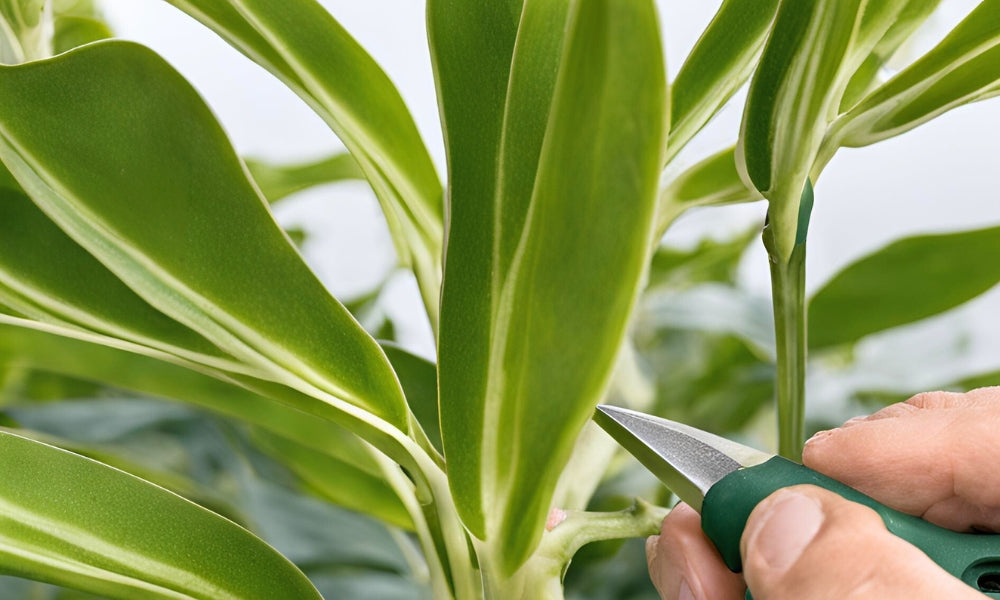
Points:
x=688 y=460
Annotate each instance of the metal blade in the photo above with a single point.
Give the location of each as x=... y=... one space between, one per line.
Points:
x=688 y=460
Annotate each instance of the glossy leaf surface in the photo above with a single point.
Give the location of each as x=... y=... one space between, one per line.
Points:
x=908 y=280
x=473 y=104
x=714 y=181
x=721 y=61
x=26 y=347
x=565 y=265
x=183 y=227
x=76 y=522
x=305 y=47
x=45 y=274
x=277 y=182
x=963 y=68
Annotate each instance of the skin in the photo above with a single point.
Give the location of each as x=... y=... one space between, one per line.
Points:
x=933 y=456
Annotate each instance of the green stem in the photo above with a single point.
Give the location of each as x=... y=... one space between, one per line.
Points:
x=580 y=528
x=788 y=298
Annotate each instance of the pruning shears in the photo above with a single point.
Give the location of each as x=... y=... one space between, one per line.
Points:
x=724 y=481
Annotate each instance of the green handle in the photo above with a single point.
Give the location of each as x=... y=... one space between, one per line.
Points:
x=973 y=558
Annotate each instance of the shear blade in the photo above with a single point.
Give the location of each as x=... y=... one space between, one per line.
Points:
x=688 y=460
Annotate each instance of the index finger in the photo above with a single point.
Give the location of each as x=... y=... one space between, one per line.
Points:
x=931 y=456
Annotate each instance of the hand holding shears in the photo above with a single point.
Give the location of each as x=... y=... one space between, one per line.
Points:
x=935 y=456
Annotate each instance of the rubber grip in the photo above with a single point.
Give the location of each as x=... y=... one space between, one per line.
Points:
x=973 y=558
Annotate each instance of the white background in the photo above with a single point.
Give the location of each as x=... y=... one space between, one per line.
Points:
x=940 y=177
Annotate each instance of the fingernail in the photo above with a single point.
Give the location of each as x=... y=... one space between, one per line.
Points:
x=819 y=435
x=781 y=534
x=684 y=592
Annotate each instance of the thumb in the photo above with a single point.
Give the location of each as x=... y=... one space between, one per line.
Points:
x=806 y=542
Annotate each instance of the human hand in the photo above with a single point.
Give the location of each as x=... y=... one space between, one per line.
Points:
x=933 y=456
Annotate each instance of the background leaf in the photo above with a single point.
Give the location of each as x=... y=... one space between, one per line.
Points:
x=714 y=181
x=72 y=521
x=277 y=182
x=908 y=280
x=35 y=349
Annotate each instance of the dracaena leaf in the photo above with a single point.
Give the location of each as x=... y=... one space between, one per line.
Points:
x=304 y=46
x=814 y=48
x=712 y=182
x=277 y=182
x=472 y=111
x=85 y=357
x=910 y=18
x=721 y=61
x=338 y=481
x=908 y=280
x=565 y=266
x=45 y=274
x=75 y=522
x=185 y=229
x=963 y=68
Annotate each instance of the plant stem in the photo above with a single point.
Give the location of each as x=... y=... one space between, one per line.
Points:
x=788 y=297
x=580 y=528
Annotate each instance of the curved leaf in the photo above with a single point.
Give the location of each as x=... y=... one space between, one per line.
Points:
x=337 y=481
x=45 y=274
x=908 y=280
x=473 y=105
x=814 y=49
x=305 y=47
x=565 y=274
x=910 y=18
x=183 y=227
x=720 y=62
x=73 y=31
x=278 y=182
x=75 y=522
x=42 y=350
x=714 y=181
x=418 y=376
x=963 y=68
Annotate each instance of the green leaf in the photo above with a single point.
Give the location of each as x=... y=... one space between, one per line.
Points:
x=305 y=47
x=908 y=280
x=75 y=522
x=337 y=481
x=82 y=356
x=125 y=184
x=45 y=351
x=418 y=377
x=565 y=271
x=721 y=61
x=278 y=182
x=963 y=68
x=713 y=308
x=473 y=105
x=712 y=182
x=72 y=31
x=910 y=18
x=709 y=261
x=45 y=274
x=814 y=49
